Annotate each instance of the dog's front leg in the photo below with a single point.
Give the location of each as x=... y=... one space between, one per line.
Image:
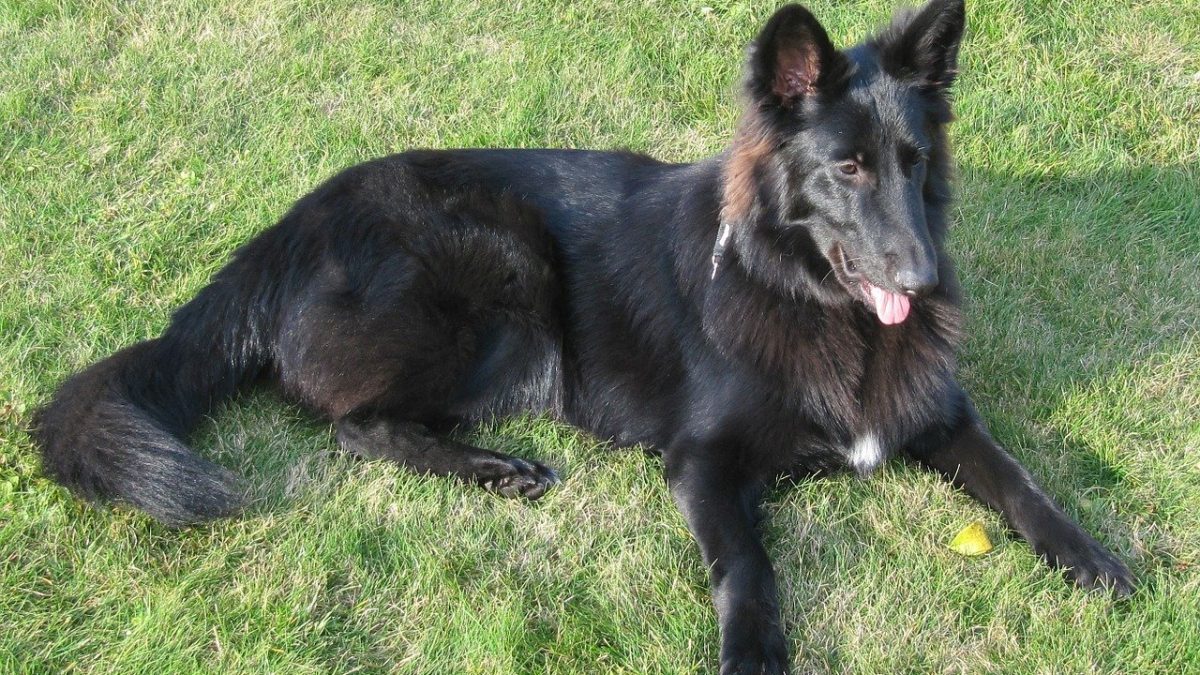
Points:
x=721 y=510
x=966 y=454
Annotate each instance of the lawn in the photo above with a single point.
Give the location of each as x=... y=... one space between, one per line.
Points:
x=141 y=142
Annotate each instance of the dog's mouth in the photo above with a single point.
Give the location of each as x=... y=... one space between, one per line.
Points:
x=891 y=308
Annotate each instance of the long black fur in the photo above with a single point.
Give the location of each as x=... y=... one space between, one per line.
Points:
x=431 y=290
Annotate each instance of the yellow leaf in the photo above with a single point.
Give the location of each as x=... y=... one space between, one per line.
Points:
x=971 y=540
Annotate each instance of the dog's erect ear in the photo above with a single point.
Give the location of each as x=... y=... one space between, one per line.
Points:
x=924 y=45
x=792 y=58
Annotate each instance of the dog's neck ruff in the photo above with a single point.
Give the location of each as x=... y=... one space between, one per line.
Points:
x=891 y=308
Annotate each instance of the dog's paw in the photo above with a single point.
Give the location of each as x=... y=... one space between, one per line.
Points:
x=514 y=477
x=755 y=655
x=1085 y=561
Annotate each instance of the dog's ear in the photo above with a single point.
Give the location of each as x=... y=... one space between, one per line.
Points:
x=923 y=45
x=792 y=58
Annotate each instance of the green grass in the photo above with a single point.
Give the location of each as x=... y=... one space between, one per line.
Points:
x=141 y=142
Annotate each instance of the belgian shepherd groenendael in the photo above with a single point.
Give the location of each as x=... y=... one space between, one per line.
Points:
x=783 y=308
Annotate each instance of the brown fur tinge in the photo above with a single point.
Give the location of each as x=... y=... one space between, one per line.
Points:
x=752 y=145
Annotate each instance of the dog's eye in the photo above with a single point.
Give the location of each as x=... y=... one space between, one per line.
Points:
x=848 y=168
x=916 y=156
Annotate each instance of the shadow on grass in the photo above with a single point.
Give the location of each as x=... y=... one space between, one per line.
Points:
x=1076 y=284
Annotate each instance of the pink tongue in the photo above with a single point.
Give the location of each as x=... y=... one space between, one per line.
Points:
x=891 y=308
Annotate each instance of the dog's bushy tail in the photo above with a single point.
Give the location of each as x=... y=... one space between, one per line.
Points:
x=115 y=430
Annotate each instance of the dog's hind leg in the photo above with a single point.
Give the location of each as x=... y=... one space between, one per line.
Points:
x=416 y=448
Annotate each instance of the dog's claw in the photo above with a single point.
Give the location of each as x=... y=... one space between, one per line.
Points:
x=1103 y=573
x=1086 y=562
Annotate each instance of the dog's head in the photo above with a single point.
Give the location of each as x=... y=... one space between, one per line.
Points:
x=835 y=184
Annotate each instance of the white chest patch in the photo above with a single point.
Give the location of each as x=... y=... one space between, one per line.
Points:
x=865 y=454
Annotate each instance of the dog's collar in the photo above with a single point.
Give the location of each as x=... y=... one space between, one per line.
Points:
x=724 y=235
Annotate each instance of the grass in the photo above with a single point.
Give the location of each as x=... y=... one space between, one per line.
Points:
x=141 y=142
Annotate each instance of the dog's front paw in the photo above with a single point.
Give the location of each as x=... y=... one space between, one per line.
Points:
x=762 y=653
x=1084 y=560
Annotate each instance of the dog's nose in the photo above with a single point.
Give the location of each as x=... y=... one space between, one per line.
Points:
x=917 y=281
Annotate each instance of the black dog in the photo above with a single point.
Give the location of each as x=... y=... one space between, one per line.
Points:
x=427 y=291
